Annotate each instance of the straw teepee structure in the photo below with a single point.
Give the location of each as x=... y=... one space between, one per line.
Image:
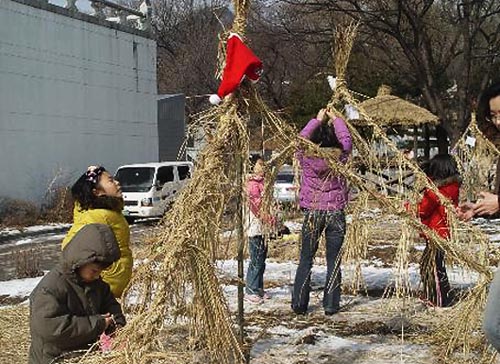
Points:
x=179 y=313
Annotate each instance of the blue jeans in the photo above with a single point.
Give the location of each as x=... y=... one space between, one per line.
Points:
x=255 y=274
x=334 y=225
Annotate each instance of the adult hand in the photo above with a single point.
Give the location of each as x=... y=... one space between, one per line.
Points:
x=487 y=204
x=321 y=115
x=331 y=114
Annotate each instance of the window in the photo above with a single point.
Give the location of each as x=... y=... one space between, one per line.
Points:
x=165 y=174
x=135 y=179
x=284 y=178
x=184 y=172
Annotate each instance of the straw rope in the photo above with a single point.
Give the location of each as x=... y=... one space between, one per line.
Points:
x=175 y=300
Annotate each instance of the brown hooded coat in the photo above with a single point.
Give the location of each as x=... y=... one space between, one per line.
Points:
x=65 y=312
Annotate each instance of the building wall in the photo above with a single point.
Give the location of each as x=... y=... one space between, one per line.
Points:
x=171 y=127
x=72 y=93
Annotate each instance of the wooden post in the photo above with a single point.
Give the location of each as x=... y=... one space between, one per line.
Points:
x=241 y=244
x=427 y=147
x=262 y=137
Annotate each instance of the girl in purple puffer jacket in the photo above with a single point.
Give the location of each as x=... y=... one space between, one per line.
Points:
x=323 y=197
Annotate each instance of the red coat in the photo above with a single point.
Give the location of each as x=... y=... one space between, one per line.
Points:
x=432 y=213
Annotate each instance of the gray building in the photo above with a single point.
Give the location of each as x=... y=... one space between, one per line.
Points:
x=75 y=90
x=171 y=127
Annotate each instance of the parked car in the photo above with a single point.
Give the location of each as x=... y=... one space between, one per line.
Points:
x=285 y=188
x=149 y=188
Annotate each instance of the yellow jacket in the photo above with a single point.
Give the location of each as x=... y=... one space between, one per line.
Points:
x=117 y=275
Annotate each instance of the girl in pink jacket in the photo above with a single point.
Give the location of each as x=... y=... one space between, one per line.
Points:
x=256 y=244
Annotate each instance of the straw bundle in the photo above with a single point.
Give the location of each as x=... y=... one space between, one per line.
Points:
x=462 y=249
x=355 y=248
x=177 y=285
x=476 y=158
x=14 y=334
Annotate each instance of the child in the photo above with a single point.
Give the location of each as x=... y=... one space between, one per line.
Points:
x=71 y=306
x=98 y=199
x=256 y=245
x=443 y=172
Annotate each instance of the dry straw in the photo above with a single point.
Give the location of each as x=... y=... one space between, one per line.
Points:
x=175 y=302
x=14 y=335
x=468 y=246
x=178 y=285
x=386 y=109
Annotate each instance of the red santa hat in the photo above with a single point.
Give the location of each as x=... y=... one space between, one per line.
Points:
x=240 y=62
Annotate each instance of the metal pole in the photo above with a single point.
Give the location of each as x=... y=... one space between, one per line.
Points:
x=415 y=141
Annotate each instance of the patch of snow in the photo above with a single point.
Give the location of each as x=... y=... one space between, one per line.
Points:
x=294 y=226
x=48 y=227
x=19 y=287
x=23 y=241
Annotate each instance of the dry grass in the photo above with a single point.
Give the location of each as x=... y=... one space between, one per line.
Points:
x=18 y=213
x=27 y=263
x=14 y=334
x=177 y=289
x=387 y=109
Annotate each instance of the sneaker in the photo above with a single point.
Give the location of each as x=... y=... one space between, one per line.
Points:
x=266 y=296
x=299 y=311
x=330 y=312
x=253 y=299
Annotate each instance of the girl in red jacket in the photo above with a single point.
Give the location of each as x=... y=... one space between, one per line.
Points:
x=443 y=172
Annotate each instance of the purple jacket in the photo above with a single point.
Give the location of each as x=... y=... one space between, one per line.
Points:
x=320 y=189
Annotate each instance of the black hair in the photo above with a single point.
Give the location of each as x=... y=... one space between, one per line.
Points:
x=484 y=111
x=82 y=191
x=442 y=166
x=254 y=158
x=325 y=137
x=483 y=108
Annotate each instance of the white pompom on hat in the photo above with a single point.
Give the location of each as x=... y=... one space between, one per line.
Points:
x=215 y=99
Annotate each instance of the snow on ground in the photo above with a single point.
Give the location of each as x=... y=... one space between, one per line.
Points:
x=18 y=287
x=283 y=273
x=279 y=336
x=375 y=278
x=282 y=337
x=33 y=229
x=32 y=241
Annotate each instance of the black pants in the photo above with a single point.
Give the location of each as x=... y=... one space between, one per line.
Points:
x=433 y=275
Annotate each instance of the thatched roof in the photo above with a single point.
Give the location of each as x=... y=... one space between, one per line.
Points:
x=387 y=109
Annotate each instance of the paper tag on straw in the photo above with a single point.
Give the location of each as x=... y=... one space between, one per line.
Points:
x=351 y=112
x=470 y=141
x=332 y=82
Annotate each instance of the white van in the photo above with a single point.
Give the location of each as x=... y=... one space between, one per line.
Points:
x=149 y=188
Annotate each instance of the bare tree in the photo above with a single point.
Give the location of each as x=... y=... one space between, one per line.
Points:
x=295 y=55
x=187 y=36
x=447 y=49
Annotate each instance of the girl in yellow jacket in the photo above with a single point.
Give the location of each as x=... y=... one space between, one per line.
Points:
x=98 y=199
